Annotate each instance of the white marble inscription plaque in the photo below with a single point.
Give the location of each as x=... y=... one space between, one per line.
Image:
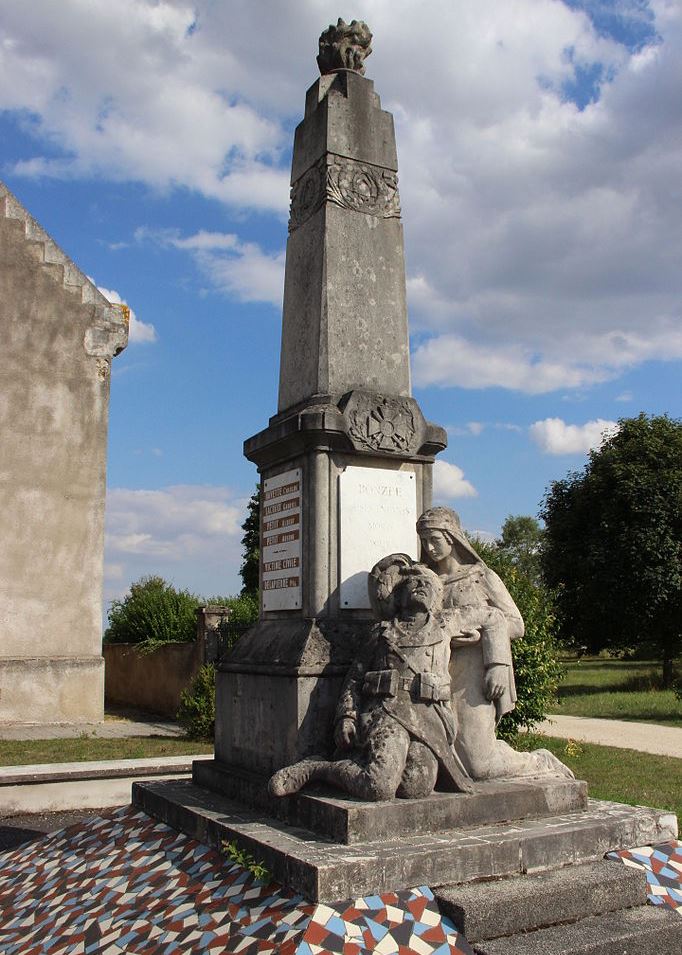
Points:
x=377 y=516
x=281 y=541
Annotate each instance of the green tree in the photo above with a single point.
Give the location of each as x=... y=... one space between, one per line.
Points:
x=521 y=539
x=613 y=543
x=250 y=567
x=536 y=664
x=153 y=612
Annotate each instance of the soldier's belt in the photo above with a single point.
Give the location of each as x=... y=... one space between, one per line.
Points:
x=422 y=687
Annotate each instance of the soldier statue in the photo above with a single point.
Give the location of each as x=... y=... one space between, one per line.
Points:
x=394 y=726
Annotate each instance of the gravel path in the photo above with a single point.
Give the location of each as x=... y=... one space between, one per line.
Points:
x=119 y=724
x=645 y=737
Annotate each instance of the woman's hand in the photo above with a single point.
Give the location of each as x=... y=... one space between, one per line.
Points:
x=345 y=733
x=495 y=681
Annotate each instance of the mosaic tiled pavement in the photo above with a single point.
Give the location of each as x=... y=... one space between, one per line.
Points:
x=125 y=883
x=663 y=866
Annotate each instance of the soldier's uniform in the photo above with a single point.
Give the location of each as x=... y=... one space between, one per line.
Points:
x=398 y=693
x=394 y=708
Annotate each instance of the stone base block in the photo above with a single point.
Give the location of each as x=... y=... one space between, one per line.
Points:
x=324 y=871
x=52 y=690
x=276 y=692
x=647 y=929
x=350 y=821
x=528 y=902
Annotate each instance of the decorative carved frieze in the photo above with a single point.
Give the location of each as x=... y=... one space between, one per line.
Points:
x=348 y=184
x=380 y=423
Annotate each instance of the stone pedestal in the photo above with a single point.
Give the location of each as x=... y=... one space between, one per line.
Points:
x=327 y=870
x=354 y=504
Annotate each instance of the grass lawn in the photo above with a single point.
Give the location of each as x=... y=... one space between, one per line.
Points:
x=622 y=775
x=24 y=752
x=618 y=690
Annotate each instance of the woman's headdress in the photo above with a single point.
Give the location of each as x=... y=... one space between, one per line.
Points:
x=444 y=519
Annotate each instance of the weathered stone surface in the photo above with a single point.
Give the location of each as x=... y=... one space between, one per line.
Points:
x=482 y=620
x=383 y=423
x=326 y=871
x=347 y=183
x=343 y=117
x=529 y=902
x=258 y=689
x=345 y=313
x=393 y=726
x=51 y=689
x=344 y=321
x=344 y=46
x=352 y=821
x=268 y=720
x=646 y=929
x=58 y=338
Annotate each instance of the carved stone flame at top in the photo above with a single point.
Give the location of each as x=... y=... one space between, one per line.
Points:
x=344 y=47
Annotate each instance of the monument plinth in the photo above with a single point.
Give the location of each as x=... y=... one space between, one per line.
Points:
x=346 y=462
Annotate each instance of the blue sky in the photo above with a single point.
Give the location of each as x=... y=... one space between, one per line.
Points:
x=541 y=178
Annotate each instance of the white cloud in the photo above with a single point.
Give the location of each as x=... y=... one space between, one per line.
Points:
x=554 y=436
x=138 y=331
x=240 y=269
x=534 y=227
x=449 y=482
x=188 y=534
x=470 y=429
x=625 y=396
x=569 y=362
x=172 y=522
x=180 y=117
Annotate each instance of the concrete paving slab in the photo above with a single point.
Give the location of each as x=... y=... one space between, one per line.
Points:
x=53 y=787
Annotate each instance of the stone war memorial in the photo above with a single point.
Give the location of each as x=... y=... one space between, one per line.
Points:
x=355 y=722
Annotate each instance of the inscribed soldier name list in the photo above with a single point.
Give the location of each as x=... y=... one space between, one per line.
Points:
x=281 y=541
x=377 y=516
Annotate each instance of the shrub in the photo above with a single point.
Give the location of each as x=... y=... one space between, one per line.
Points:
x=536 y=656
x=244 y=609
x=196 y=714
x=153 y=612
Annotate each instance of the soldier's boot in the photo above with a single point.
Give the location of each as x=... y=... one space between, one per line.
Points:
x=290 y=779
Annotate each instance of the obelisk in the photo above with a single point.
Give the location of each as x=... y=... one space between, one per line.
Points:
x=346 y=463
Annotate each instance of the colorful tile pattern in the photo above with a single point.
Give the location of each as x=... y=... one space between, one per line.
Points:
x=663 y=866
x=125 y=883
x=396 y=922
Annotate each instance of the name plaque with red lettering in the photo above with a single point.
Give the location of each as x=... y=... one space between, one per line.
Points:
x=281 y=541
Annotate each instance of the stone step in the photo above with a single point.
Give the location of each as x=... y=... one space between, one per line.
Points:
x=645 y=930
x=322 y=870
x=486 y=910
x=350 y=821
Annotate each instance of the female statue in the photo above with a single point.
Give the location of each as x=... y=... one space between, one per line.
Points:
x=483 y=620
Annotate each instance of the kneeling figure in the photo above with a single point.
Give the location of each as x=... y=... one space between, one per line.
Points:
x=394 y=717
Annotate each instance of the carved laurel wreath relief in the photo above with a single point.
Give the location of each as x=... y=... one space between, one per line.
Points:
x=384 y=425
x=348 y=184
